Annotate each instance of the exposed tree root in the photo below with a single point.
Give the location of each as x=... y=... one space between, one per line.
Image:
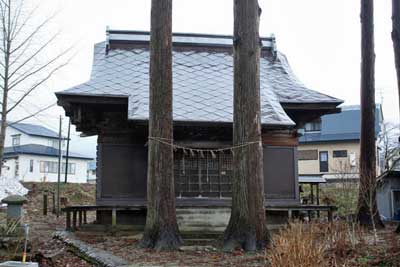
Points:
x=236 y=237
x=364 y=219
x=161 y=239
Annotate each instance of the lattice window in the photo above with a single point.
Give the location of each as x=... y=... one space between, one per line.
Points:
x=203 y=175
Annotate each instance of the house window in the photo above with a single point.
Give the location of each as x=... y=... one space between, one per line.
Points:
x=16 y=140
x=323 y=161
x=52 y=167
x=16 y=168
x=54 y=143
x=31 y=165
x=314 y=126
x=308 y=154
x=340 y=153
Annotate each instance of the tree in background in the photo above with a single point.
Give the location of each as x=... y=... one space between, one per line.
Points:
x=396 y=47
x=367 y=211
x=247 y=225
x=388 y=145
x=396 y=39
x=25 y=65
x=161 y=230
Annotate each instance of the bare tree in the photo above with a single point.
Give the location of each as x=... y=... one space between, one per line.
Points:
x=367 y=210
x=346 y=189
x=161 y=230
x=388 y=145
x=247 y=225
x=23 y=68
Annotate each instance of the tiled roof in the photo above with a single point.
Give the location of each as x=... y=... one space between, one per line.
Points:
x=202 y=83
x=33 y=149
x=34 y=130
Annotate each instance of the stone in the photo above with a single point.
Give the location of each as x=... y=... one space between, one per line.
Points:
x=15 y=200
x=14 y=207
x=19 y=264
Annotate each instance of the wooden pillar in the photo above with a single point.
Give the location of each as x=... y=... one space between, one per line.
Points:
x=84 y=217
x=80 y=217
x=74 y=220
x=290 y=215
x=312 y=193
x=330 y=215
x=54 y=202
x=45 y=202
x=114 y=217
x=68 y=221
x=318 y=213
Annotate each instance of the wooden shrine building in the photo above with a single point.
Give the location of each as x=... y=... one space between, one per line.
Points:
x=114 y=105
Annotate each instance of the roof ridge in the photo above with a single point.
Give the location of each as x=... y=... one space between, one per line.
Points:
x=181 y=38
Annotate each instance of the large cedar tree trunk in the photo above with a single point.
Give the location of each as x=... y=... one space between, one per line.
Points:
x=396 y=47
x=396 y=39
x=161 y=230
x=367 y=205
x=247 y=225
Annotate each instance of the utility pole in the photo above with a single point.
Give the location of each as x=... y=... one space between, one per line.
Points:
x=59 y=167
x=67 y=154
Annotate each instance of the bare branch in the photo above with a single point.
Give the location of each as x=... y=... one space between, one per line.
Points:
x=30 y=73
x=36 y=86
x=33 y=56
x=33 y=114
x=34 y=32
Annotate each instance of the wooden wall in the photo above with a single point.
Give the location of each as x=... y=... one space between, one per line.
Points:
x=122 y=169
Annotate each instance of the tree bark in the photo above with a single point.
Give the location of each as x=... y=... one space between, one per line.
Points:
x=396 y=39
x=367 y=205
x=161 y=230
x=247 y=225
x=6 y=47
x=396 y=48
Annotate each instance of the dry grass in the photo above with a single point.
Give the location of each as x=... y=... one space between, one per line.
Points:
x=297 y=244
x=312 y=245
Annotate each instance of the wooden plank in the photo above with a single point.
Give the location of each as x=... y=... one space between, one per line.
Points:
x=280 y=139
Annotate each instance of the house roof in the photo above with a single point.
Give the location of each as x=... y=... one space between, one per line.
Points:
x=202 y=78
x=33 y=130
x=40 y=150
x=344 y=126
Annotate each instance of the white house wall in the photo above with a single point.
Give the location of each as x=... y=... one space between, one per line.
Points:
x=25 y=175
x=8 y=169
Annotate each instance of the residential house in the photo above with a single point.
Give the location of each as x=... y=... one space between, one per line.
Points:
x=329 y=146
x=31 y=155
x=91 y=172
x=388 y=194
x=114 y=104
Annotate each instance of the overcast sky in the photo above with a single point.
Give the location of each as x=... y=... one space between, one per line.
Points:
x=321 y=39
